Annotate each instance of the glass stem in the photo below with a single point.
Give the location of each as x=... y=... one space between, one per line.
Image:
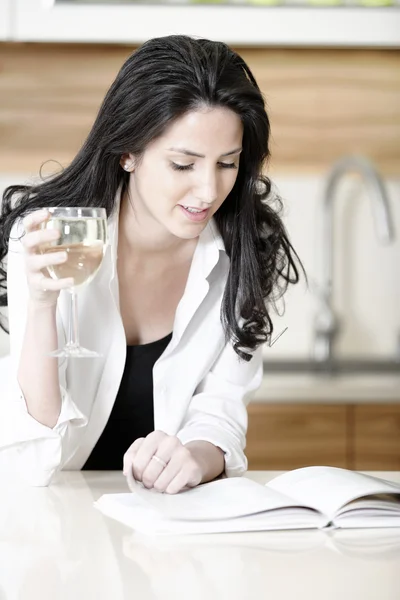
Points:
x=73 y=320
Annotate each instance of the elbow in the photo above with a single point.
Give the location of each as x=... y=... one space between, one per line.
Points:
x=49 y=419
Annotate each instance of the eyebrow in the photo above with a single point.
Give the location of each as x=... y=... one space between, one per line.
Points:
x=190 y=153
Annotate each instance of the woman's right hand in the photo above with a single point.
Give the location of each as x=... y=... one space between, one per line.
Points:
x=43 y=290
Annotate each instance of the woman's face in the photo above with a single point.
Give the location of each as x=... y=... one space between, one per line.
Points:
x=186 y=174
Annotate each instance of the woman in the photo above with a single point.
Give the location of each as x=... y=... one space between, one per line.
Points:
x=180 y=307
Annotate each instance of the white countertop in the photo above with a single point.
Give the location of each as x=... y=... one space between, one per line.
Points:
x=54 y=545
x=341 y=389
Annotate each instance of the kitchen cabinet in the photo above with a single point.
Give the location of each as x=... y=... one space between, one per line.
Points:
x=287 y=436
x=354 y=436
x=240 y=25
x=376 y=436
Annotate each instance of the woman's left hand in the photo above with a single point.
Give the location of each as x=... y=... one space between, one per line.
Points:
x=147 y=456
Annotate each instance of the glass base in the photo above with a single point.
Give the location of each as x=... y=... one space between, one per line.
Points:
x=75 y=351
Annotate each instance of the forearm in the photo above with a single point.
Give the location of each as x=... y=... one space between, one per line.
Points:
x=38 y=372
x=209 y=457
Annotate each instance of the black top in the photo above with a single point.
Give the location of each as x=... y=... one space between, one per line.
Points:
x=132 y=415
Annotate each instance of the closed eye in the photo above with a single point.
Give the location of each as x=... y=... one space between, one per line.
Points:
x=181 y=167
x=227 y=165
x=221 y=165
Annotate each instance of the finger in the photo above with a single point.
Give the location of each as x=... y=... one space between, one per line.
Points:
x=130 y=454
x=47 y=284
x=147 y=449
x=40 y=237
x=179 y=482
x=170 y=450
x=34 y=219
x=151 y=472
x=167 y=475
x=38 y=262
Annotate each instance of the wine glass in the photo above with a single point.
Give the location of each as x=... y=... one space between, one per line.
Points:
x=83 y=236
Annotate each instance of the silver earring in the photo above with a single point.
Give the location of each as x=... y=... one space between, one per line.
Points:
x=126 y=167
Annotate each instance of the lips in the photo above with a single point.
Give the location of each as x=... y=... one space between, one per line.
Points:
x=195 y=216
x=193 y=208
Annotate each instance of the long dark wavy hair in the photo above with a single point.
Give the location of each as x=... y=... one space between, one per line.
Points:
x=160 y=82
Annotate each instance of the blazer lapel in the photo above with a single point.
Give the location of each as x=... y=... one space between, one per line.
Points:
x=205 y=258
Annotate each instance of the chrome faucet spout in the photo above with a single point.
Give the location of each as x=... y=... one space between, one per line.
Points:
x=326 y=326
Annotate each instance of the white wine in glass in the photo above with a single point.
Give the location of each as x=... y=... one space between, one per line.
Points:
x=83 y=236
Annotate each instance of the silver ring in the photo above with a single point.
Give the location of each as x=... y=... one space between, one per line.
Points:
x=159 y=460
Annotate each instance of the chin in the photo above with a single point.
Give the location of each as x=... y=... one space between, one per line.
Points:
x=185 y=235
x=189 y=232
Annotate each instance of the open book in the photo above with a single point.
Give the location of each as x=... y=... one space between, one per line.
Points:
x=311 y=497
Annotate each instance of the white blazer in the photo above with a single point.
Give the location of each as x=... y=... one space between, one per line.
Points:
x=201 y=387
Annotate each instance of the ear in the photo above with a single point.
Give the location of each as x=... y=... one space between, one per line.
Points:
x=127 y=162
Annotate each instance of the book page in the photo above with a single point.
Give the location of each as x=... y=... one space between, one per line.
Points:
x=222 y=499
x=130 y=510
x=328 y=489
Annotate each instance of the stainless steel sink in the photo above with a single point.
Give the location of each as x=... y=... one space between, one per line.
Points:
x=333 y=367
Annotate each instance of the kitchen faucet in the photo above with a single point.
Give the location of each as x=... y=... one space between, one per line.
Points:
x=326 y=323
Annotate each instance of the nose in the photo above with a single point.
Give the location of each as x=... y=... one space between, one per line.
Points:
x=206 y=190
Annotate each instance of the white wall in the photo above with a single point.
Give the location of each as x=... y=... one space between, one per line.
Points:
x=367 y=276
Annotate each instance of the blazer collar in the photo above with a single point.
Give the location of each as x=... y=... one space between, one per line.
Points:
x=206 y=256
